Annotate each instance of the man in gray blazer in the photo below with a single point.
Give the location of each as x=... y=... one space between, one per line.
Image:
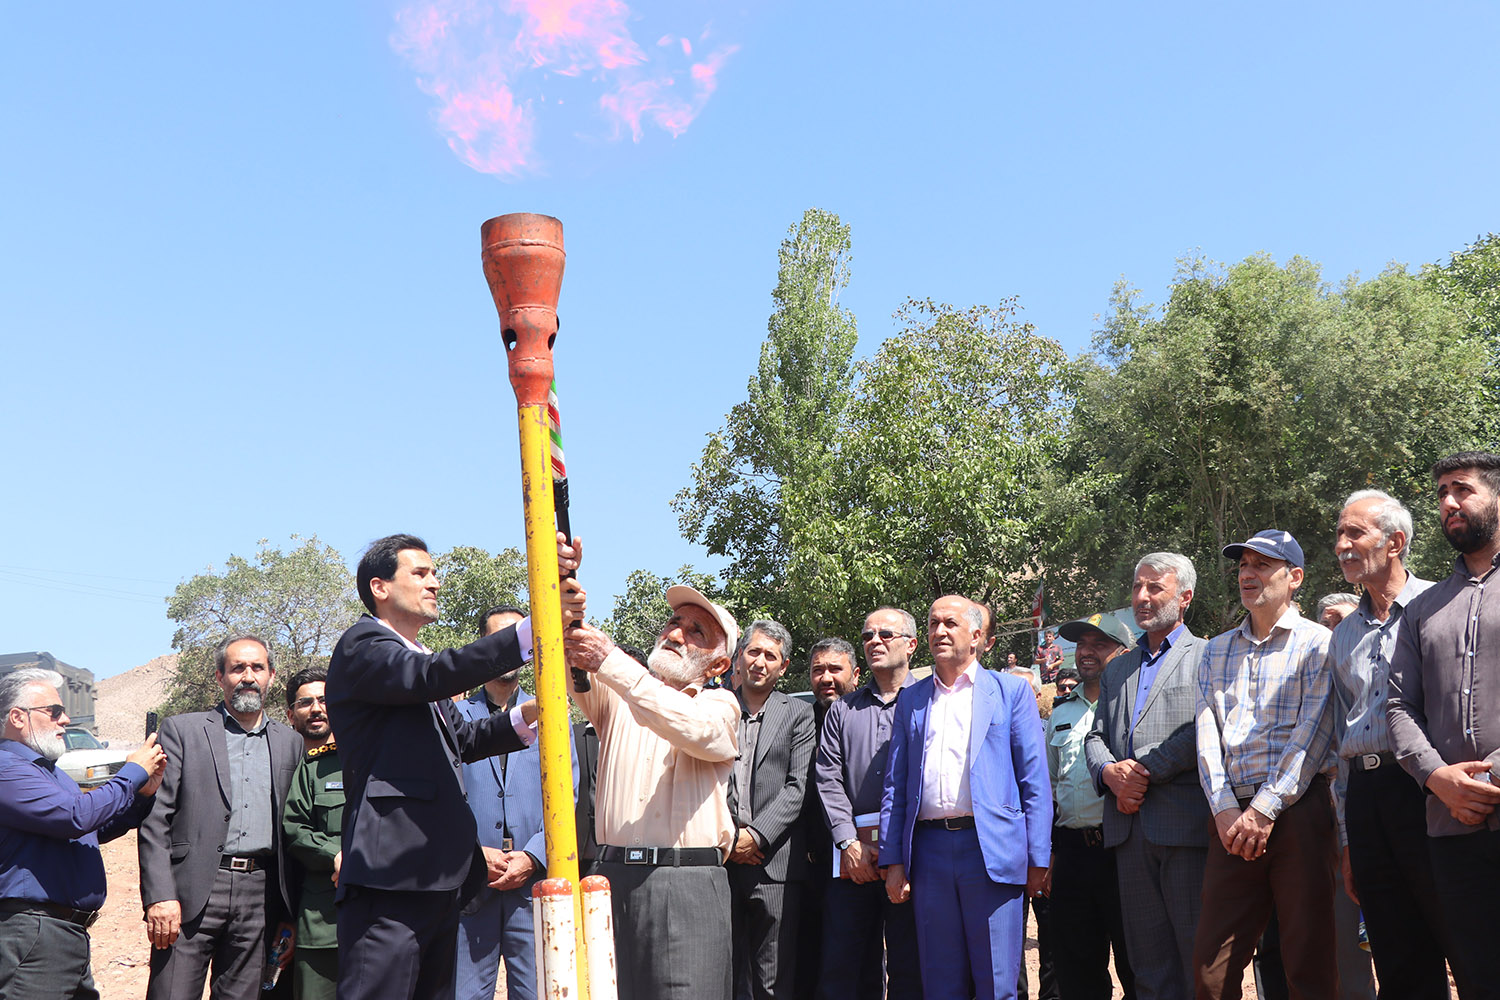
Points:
x=213 y=881
x=1142 y=754
x=767 y=788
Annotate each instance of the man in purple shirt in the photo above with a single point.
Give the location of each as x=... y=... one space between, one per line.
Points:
x=848 y=775
x=51 y=873
x=1444 y=714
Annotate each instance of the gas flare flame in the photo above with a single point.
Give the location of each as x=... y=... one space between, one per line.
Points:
x=494 y=68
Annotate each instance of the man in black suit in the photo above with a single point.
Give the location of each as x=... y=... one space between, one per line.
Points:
x=769 y=784
x=410 y=845
x=212 y=874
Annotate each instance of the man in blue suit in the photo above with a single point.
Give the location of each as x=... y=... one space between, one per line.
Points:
x=966 y=819
x=505 y=795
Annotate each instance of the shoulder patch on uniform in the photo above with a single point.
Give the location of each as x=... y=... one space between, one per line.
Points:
x=320 y=751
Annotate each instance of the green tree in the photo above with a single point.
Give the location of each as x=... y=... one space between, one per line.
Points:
x=1259 y=397
x=1470 y=282
x=943 y=472
x=299 y=601
x=782 y=437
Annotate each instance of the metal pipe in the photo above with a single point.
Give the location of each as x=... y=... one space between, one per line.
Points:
x=523 y=263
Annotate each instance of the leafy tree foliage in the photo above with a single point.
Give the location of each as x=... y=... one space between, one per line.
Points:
x=942 y=472
x=781 y=439
x=299 y=601
x=1259 y=397
x=1470 y=282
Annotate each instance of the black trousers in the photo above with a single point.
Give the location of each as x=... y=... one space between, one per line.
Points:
x=870 y=929
x=1466 y=873
x=1385 y=815
x=395 y=945
x=1086 y=913
x=1046 y=987
x=810 y=930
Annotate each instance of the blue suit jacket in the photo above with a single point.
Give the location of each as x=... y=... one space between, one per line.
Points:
x=1007 y=777
x=513 y=800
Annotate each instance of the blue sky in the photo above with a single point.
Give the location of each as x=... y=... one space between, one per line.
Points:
x=242 y=288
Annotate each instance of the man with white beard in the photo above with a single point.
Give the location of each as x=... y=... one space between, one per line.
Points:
x=51 y=872
x=667 y=745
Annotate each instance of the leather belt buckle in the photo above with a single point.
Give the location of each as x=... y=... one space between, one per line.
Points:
x=507 y=844
x=1093 y=837
x=640 y=855
x=1369 y=761
x=242 y=864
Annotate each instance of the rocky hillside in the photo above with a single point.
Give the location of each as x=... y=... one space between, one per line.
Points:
x=124 y=699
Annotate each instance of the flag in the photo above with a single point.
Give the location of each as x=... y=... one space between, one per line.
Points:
x=1039 y=607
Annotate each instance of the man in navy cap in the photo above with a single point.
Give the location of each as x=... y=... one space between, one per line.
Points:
x=1264 y=734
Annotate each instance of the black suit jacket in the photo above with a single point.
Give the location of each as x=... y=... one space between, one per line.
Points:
x=182 y=838
x=779 y=777
x=407 y=824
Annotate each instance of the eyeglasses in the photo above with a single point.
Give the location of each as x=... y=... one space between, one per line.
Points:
x=886 y=635
x=56 y=711
x=310 y=702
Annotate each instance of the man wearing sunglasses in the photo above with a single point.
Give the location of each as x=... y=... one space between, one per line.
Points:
x=848 y=774
x=51 y=873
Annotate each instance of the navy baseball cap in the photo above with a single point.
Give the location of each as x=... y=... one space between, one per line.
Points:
x=1276 y=544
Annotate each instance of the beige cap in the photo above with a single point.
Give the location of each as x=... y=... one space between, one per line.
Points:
x=679 y=595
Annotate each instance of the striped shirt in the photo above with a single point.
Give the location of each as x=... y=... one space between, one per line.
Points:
x=1264 y=724
x=1359 y=660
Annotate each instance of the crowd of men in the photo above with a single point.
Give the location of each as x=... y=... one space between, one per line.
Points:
x=1185 y=807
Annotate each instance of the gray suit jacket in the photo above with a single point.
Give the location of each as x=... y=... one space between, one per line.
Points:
x=181 y=840
x=779 y=779
x=1175 y=813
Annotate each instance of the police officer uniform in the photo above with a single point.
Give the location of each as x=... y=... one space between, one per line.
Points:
x=1085 y=898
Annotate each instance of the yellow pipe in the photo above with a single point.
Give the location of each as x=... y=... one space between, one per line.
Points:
x=554 y=731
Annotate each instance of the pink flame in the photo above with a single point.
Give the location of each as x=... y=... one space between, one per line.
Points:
x=485 y=61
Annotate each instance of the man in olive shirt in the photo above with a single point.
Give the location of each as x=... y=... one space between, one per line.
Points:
x=313 y=823
x=1444 y=713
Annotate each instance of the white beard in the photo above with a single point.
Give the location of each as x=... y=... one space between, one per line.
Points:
x=677 y=664
x=51 y=748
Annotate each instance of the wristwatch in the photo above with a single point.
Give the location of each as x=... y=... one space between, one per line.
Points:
x=843 y=845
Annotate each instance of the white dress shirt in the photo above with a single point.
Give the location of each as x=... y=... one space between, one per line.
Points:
x=945 y=748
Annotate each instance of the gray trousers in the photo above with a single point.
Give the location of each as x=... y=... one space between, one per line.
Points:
x=1161 y=896
x=227 y=941
x=672 y=937
x=43 y=957
x=765 y=917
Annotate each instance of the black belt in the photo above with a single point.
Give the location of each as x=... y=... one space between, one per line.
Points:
x=662 y=857
x=947 y=823
x=247 y=863
x=1371 y=761
x=83 y=918
x=1072 y=836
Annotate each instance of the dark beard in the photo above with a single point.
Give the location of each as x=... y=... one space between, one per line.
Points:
x=1478 y=531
